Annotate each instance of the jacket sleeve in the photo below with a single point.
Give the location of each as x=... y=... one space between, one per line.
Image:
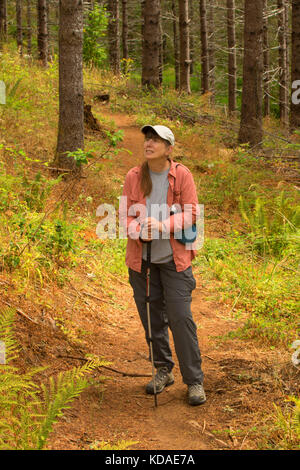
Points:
x=130 y=214
x=188 y=204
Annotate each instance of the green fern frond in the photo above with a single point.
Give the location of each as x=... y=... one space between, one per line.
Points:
x=7 y=317
x=28 y=411
x=68 y=386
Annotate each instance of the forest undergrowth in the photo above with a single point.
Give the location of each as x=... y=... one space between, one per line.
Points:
x=250 y=254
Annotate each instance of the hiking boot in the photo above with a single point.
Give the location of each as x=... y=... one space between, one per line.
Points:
x=196 y=394
x=163 y=378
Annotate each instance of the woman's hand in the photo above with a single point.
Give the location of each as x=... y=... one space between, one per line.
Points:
x=150 y=228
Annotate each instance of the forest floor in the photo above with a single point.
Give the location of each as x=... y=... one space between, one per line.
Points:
x=242 y=378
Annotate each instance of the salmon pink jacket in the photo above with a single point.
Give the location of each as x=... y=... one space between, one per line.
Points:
x=132 y=212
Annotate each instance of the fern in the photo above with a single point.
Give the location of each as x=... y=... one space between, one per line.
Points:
x=29 y=411
x=58 y=397
x=273 y=227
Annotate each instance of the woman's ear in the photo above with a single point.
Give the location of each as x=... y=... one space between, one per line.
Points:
x=170 y=150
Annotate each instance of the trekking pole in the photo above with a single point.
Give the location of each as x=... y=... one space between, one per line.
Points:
x=149 y=319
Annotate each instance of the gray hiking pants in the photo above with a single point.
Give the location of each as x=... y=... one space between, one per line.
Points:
x=170 y=306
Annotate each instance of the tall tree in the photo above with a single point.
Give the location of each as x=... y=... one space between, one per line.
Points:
x=251 y=113
x=42 y=30
x=211 y=46
x=231 y=56
x=192 y=42
x=175 y=44
x=266 y=56
x=184 y=48
x=3 y=23
x=29 y=28
x=19 y=26
x=204 y=47
x=125 y=30
x=283 y=78
x=161 y=46
x=151 y=43
x=295 y=59
x=71 y=122
x=114 y=36
x=288 y=43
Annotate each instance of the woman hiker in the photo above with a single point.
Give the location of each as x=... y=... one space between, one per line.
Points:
x=149 y=192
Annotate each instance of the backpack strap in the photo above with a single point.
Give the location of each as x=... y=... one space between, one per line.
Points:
x=176 y=189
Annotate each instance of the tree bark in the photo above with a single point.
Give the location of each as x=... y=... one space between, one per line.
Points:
x=3 y=22
x=211 y=46
x=151 y=44
x=204 y=47
x=282 y=59
x=42 y=28
x=161 y=47
x=71 y=122
x=231 y=56
x=114 y=36
x=295 y=59
x=251 y=113
x=175 y=44
x=124 y=29
x=192 y=43
x=19 y=26
x=266 y=56
x=184 y=36
x=29 y=28
x=288 y=43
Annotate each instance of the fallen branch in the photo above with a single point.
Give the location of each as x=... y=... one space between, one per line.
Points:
x=124 y=374
x=97 y=298
x=81 y=293
x=121 y=282
x=20 y=312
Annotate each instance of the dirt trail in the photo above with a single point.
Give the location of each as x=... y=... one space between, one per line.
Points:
x=239 y=377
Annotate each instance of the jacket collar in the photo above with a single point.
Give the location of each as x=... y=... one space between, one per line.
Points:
x=172 y=170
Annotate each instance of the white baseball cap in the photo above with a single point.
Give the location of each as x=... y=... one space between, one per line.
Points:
x=163 y=132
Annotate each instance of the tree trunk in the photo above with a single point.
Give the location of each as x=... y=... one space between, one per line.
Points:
x=251 y=113
x=175 y=44
x=211 y=46
x=29 y=28
x=266 y=56
x=204 y=47
x=295 y=104
x=71 y=126
x=288 y=44
x=151 y=44
x=114 y=36
x=124 y=30
x=19 y=26
x=48 y=4
x=192 y=45
x=283 y=84
x=3 y=22
x=42 y=28
x=231 y=56
x=184 y=36
x=161 y=47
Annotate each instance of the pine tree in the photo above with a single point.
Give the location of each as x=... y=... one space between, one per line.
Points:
x=184 y=60
x=251 y=113
x=232 y=69
x=151 y=44
x=71 y=123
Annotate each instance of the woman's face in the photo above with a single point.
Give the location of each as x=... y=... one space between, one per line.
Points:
x=155 y=147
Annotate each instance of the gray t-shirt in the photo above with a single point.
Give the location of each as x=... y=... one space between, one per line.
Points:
x=156 y=203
